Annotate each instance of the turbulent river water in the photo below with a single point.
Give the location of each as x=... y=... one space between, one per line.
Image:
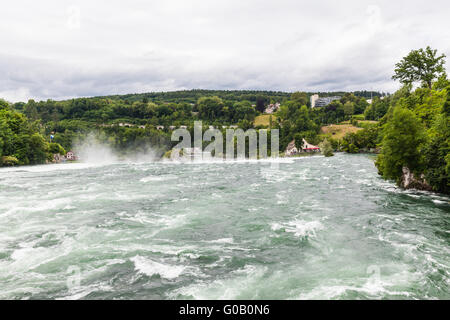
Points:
x=303 y=228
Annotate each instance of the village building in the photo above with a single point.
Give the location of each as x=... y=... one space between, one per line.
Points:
x=291 y=149
x=271 y=108
x=159 y=127
x=70 y=155
x=316 y=101
x=129 y=125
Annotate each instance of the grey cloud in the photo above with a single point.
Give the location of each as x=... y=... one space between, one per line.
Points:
x=138 y=46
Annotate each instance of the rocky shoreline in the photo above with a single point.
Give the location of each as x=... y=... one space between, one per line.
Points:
x=410 y=181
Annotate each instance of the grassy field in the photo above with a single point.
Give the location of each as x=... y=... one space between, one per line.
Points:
x=368 y=121
x=264 y=120
x=338 y=131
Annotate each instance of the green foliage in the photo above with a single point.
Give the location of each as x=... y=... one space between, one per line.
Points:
x=9 y=161
x=3 y=104
x=358 y=117
x=20 y=141
x=326 y=148
x=295 y=120
x=362 y=140
x=377 y=109
x=403 y=138
x=299 y=140
x=56 y=148
x=436 y=155
x=301 y=98
x=210 y=107
x=441 y=83
x=349 y=108
x=420 y=65
x=446 y=106
x=416 y=134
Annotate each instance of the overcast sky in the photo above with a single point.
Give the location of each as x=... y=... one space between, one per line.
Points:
x=59 y=49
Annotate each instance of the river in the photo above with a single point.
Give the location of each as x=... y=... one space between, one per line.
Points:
x=297 y=228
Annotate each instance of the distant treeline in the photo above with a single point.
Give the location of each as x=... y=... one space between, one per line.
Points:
x=191 y=96
x=132 y=123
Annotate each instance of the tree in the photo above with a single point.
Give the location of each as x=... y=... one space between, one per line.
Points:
x=3 y=104
x=420 y=65
x=349 y=108
x=377 y=109
x=326 y=148
x=244 y=110
x=300 y=97
x=56 y=148
x=31 y=110
x=435 y=153
x=210 y=108
x=261 y=102
x=299 y=141
x=404 y=136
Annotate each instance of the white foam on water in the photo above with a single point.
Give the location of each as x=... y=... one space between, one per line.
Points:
x=157 y=178
x=441 y=202
x=150 y=268
x=373 y=288
x=19 y=208
x=223 y=240
x=299 y=228
x=238 y=284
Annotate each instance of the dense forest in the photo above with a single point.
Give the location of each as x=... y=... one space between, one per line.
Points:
x=409 y=129
x=21 y=141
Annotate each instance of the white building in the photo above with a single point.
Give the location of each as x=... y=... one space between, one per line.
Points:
x=316 y=101
x=314 y=98
x=307 y=147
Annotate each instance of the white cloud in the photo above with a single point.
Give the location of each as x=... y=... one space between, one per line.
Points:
x=59 y=49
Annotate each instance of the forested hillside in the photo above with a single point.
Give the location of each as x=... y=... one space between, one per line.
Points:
x=130 y=122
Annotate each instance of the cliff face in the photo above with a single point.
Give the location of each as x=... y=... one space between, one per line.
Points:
x=410 y=181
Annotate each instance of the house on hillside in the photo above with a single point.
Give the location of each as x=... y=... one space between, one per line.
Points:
x=128 y=125
x=70 y=155
x=316 y=101
x=291 y=149
x=271 y=108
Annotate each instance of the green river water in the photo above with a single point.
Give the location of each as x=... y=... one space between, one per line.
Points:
x=299 y=228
